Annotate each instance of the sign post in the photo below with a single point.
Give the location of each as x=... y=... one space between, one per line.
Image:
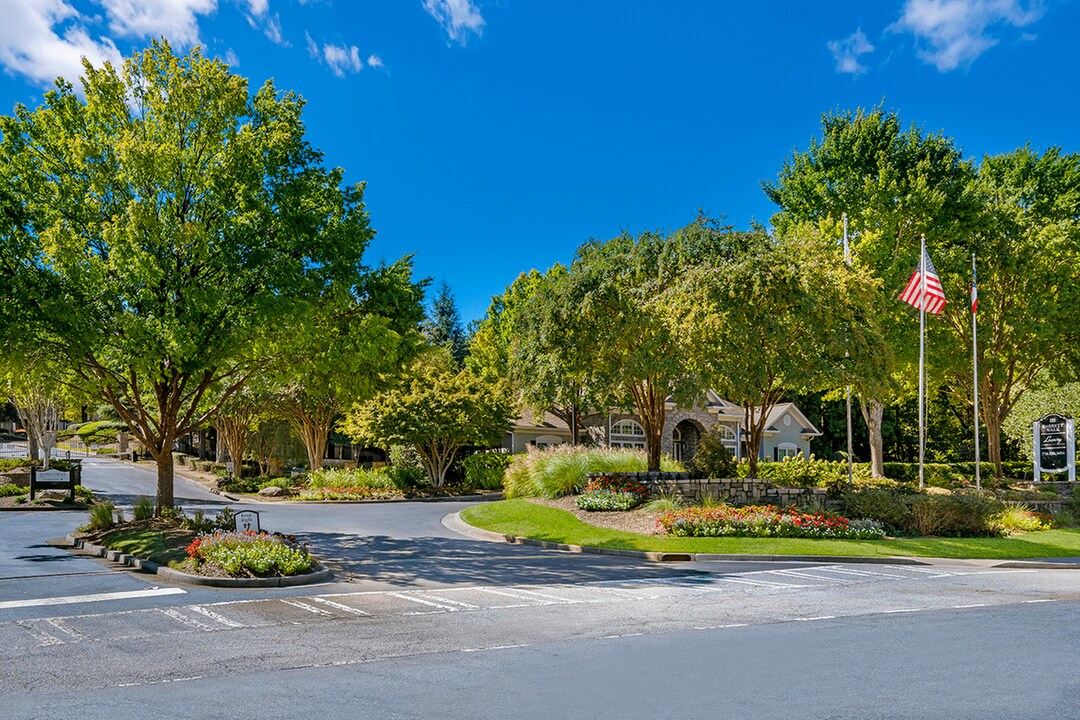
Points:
x=1055 y=446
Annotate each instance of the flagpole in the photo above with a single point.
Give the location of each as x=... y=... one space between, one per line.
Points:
x=850 y=456
x=922 y=355
x=975 y=367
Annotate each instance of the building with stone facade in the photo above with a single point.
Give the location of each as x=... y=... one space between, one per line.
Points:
x=787 y=431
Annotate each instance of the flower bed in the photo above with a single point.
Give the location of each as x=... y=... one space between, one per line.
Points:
x=359 y=492
x=765 y=521
x=612 y=491
x=247 y=554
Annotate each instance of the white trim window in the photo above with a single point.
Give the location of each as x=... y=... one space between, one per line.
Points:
x=728 y=439
x=627 y=433
x=785 y=450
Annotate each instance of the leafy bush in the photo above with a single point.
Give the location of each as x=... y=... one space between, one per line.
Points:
x=486 y=470
x=102 y=516
x=99 y=432
x=83 y=495
x=1017 y=518
x=765 y=521
x=887 y=507
x=256 y=483
x=958 y=515
x=249 y=554
x=359 y=492
x=559 y=471
x=350 y=478
x=404 y=476
x=143 y=509
x=11 y=490
x=7 y=464
x=406 y=456
x=807 y=472
x=713 y=459
x=612 y=492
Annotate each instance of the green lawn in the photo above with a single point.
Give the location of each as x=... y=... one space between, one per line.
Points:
x=526 y=519
x=164 y=547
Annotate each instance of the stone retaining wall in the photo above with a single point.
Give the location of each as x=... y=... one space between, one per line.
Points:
x=733 y=491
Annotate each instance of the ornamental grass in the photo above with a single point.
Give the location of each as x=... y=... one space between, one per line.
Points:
x=765 y=521
x=563 y=470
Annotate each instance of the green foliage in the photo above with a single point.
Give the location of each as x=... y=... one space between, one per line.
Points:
x=350 y=478
x=888 y=507
x=250 y=555
x=11 y=490
x=562 y=470
x=102 y=516
x=7 y=464
x=956 y=514
x=713 y=459
x=405 y=477
x=1017 y=518
x=166 y=241
x=809 y=472
x=443 y=328
x=143 y=509
x=405 y=456
x=257 y=483
x=486 y=470
x=765 y=521
x=438 y=410
x=664 y=502
x=607 y=500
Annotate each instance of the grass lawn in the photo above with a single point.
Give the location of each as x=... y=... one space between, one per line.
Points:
x=164 y=547
x=526 y=519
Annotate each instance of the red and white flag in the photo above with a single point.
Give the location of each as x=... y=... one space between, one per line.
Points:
x=930 y=298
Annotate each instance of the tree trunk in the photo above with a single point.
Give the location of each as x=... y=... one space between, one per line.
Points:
x=753 y=441
x=993 y=441
x=651 y=408
x=315 y=433
x=32 y=447
x=219 y=445
x=164 y=460
x=873 y=411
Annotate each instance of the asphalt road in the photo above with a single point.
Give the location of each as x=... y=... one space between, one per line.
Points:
x=423 y=624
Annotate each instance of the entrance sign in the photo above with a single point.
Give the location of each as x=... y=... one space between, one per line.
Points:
x=1055 y=446
x=247 y=521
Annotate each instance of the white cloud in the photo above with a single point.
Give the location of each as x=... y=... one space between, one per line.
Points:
x=43 y=39
x=459 y=18
x=846 y=52
x=341 y=59
x=259 y=17
x=374 y=61
x=230 y=58
x=952 y=33
x=176 y=20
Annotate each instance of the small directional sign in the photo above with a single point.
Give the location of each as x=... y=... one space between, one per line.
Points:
x=247 y=521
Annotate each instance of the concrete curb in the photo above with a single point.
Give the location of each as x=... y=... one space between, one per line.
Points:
x=490 y=497
x=454 y=522
x=171 y=575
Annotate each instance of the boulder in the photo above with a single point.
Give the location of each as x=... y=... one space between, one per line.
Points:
x=272 y=491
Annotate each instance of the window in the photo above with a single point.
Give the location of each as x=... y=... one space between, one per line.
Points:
x=627 y=434
x=727 y=437
x=784 y=450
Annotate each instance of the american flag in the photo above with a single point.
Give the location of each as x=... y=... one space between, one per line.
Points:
x=933 y=301
x=974 y=290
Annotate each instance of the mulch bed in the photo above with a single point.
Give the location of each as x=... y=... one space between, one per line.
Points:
x=637 y=521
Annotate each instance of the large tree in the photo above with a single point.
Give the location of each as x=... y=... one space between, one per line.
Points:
x=777 y=317
x=443 y=328
x=1027 y=246
x=346 y=349
x=438 y=409
x=160 y=221
x=895 y=184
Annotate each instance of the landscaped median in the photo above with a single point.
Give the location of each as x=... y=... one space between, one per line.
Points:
x=525 y=519
x=198 y=551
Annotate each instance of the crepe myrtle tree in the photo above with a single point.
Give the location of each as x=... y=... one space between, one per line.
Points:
x=438 y=409
x=156 y=224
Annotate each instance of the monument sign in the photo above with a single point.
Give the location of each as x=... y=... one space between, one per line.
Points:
x=1055 y=446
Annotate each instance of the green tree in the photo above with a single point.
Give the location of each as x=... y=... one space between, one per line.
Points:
x=438 y=409
x=346 y=350
x=780 y=316
x=443 y=325
x=1027 y=245
x=895 y=184
x=156 y=229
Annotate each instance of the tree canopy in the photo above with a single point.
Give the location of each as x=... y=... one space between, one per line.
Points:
x=158 y=223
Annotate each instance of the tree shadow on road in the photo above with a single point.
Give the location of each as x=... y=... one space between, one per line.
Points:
x=427 y=560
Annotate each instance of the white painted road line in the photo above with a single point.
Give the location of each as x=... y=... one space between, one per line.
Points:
x=215 y=616
x=304 y=606
x=340 y=606
x=99 y=597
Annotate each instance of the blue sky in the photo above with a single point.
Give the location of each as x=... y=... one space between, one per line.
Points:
x=497 y=135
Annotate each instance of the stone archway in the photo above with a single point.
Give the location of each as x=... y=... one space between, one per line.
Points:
x=685 y=438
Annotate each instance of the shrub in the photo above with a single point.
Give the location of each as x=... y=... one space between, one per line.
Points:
x=885 y=506
x=338 y=478
x=10 y=490
x=808 y=472
x=404 y=476
x=350 y=493
x=143 y=509
x=249 y=554
x=256 y=483
x=7 y=464
x=486 y=470
x=83 y=495
x=765 y=521
x=406 y=456
x=1018 y=518
x=562 y=470
x=958 y=515
x=101 y=516
x=712 y=458
x=612 y=492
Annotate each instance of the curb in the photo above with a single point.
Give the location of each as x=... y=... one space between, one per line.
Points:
x=171 y=575
x=491 y=497
x=454 y=523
